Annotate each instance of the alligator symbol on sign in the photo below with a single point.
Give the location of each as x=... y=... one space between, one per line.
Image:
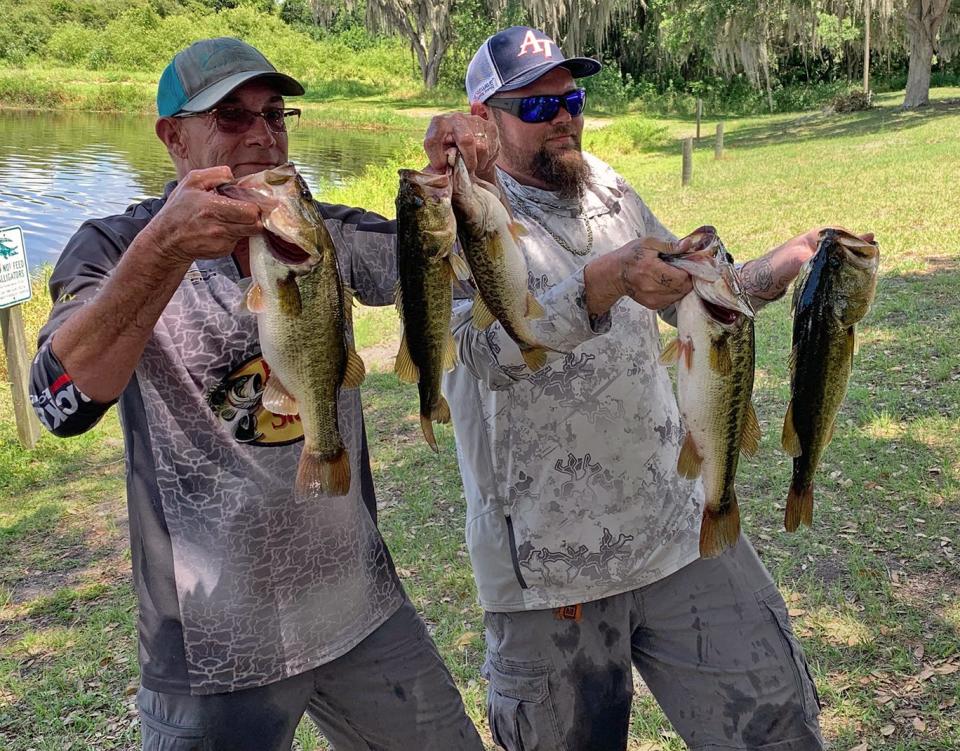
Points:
x=6 y=251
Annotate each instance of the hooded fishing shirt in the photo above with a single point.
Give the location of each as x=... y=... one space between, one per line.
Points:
x=570 y=472
x=239 y=584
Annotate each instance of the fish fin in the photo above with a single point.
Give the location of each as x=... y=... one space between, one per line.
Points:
x=830 y=433
x=854 y=342
x=460 y=268
x=404 y=368
x=291 y=304
x=688 y=353
x=534 y=308
x=535 y=357
x=799 y=508
x=316 y=475
x=517 y=230
x=671 y=353
x=441 y=412
x=398 y=298
x=426 y=426
x=720 y=361
x=792 y=361
x=349 y=300
x=449 y=353
x=254 y=300
x=277 y=399
x=690 y=460
x=355 y=371
x=750 y=436
x=482 y=317
x=789 y=438
x=719 y=529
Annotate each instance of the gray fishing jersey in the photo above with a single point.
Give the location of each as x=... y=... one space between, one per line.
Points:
x=570 y=472
x=239 y=585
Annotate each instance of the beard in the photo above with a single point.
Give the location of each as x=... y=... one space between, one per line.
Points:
x=564 y=169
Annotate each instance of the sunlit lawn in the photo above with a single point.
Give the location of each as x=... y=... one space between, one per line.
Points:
x=872 y=587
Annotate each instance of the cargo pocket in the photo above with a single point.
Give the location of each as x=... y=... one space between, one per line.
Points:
x=521 y=712
x=772 y=601
x=158 y=734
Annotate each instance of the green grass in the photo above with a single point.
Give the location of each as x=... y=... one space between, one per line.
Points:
x=873 y=587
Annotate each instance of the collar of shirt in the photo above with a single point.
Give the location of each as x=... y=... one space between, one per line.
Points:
x=601 y=196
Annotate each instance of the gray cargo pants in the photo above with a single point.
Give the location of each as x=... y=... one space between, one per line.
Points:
x=390 y=692
x=713 y=643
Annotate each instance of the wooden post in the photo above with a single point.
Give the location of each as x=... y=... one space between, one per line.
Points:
x=699 y=116
x=866 y=47
x=718 y=144
x=18 y=368
x=687 y=161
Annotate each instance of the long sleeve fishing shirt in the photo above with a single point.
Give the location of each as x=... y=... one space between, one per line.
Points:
x=239 y=585
x=570 y=472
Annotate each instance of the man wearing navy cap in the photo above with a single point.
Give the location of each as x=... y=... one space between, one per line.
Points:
x=584 y=540
x=254 y=608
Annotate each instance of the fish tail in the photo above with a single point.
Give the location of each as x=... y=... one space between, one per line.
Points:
x=534 y=357
x=317 y=475
x=440 y=413
x=799 y=507
x=426 y=425
x=720 y=528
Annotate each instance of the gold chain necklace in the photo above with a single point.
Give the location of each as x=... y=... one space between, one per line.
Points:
x=526 y=206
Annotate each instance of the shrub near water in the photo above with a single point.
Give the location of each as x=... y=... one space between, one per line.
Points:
x=140 y=39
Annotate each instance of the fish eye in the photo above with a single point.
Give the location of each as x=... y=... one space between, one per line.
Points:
x=418 y=201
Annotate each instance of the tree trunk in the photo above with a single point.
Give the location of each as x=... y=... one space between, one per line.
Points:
x=866 y=47
x=924 y=19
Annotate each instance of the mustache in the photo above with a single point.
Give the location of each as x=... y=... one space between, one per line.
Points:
x=564 y=130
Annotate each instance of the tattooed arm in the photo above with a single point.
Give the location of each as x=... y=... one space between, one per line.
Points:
x=767 y=278
x=634 y=271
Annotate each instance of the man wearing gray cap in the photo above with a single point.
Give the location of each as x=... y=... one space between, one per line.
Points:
x=254 y=608
x=584 y=539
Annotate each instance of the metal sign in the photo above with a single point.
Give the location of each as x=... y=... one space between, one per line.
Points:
x=14 y=273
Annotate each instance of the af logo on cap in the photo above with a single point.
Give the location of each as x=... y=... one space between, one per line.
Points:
x=538 y=46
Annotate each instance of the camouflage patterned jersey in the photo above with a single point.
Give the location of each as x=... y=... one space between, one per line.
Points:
x=239 y=585
x=569 y=472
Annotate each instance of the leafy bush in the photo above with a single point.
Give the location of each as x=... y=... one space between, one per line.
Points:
x=852 y=101
x=608 y=91
x=71 y=44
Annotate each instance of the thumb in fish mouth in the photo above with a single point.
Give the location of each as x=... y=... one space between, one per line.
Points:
x=235 y=192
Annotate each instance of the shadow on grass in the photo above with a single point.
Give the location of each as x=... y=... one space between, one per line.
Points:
x=820 y=126
x=51 y=548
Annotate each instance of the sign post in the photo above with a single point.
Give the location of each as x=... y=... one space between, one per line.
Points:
x=15 y=290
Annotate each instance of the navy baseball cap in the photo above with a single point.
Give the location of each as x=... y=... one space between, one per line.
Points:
x=207 y=71
x=515 y=57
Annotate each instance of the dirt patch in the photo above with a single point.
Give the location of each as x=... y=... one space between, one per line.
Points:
x=99 y=556
x=379 y=358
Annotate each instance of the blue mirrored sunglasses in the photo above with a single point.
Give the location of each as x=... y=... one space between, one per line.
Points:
x=541 y=109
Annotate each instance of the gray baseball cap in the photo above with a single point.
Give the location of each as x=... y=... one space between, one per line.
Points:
x=207 y=71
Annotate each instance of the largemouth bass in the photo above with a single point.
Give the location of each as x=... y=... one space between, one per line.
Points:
x=833 y=292
x=715 y=351
x=426 y=233
x=488 y=236
x=302 y=309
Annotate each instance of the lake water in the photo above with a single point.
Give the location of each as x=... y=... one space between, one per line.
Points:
x=59 y=169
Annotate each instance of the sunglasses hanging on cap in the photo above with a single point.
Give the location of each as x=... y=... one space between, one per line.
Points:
x=541 y=109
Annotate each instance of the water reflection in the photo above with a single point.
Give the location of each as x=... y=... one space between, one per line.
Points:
x=59 y=169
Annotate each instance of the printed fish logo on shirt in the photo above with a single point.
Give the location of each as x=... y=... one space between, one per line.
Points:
x=236 y=401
